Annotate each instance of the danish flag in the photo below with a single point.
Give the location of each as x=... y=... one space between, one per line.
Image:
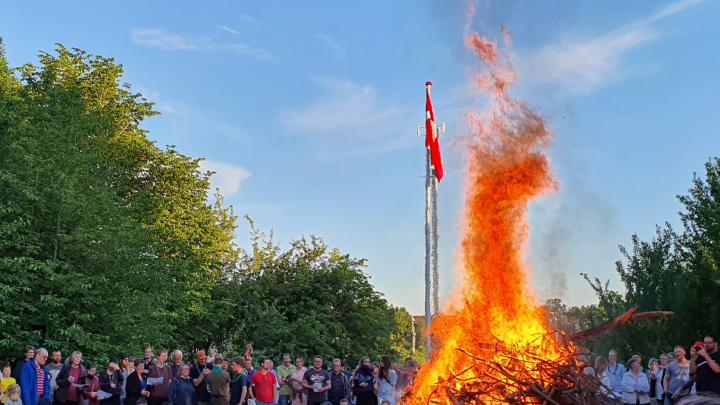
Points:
x=432 y=140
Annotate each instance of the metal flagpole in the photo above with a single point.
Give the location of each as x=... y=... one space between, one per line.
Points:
x=428 y=221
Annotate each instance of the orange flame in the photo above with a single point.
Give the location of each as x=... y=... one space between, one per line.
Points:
x=506 y=169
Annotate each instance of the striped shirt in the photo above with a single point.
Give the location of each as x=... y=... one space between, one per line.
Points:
x=40 y=381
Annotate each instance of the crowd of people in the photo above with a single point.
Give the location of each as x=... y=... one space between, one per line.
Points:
x=164 y=378
x=670 y=378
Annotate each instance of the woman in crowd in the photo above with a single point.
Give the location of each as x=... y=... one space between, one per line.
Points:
x=299 y=393
x=92 y=386
x=601 y=365
x=136 y=392
x=387 y=377
x=111 y=382
x=652 y=377
x=70 y=376
x=364 y=383
x=6 y=382
x=635 y=384
x=182 y=390
x=659 y=378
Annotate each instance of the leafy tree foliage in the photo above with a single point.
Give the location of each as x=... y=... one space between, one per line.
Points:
x=108 y=242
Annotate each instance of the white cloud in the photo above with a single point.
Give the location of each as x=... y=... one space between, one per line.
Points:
x=338 y=50
x=159 y=38
x=227 y=176
x=228 y=29
x=581 y=66
x=352 y=112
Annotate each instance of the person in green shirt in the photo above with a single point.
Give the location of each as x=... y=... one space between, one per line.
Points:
x=284 y=371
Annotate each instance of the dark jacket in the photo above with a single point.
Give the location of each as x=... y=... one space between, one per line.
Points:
x=340 y=387
x=133 y=386
x=63 y=385
x=28 y=384
x=106 y=382
x=181 y=392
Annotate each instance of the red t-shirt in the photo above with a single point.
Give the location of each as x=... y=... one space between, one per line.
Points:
x=264 y=386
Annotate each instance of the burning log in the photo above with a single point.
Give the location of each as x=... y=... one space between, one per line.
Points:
x=519 y=375
x=630 y=316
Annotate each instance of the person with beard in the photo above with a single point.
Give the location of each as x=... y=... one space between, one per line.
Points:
x=705 y=364
x=364 y=383
x=54 y=368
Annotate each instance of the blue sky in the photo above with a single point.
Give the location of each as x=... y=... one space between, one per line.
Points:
x=308 y=112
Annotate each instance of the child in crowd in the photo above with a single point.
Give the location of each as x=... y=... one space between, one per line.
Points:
x=13 y=395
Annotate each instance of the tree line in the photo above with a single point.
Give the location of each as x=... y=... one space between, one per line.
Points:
x=676 y=270
x=108 y=242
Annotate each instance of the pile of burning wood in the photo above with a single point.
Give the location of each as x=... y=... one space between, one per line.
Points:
x=512 y=375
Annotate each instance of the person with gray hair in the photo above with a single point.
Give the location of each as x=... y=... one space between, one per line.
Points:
x=177 y=357
x=635 y=384
x=72 y=373
x=339 y=383
x=35 y=380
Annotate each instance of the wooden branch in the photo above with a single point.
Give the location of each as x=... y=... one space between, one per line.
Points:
x=629 y=316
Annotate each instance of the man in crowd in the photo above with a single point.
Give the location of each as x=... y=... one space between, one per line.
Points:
x=339 y=383
x=317 y=382
x=148 y=359
x=177 y=362
x=677 y=374
x=29 y=354
x=158 y=392
x=705 y=364
x=218 y=382
x=615 y=372
x=263 y=384
x=54 y=369
x=238 y=384
x=198 y=373
x=284 y=371
x=35 y=380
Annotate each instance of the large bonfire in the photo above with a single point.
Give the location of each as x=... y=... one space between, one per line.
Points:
x=495 y=346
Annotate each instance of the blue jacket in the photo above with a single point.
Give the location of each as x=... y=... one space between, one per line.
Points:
x=181 y=392
x=28 y=384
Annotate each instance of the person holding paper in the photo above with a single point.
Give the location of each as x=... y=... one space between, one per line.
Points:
x=136 y=392
x=111 y=383
x=317 y=381
x=159 y=379
x=92 y=386
x=67 y=392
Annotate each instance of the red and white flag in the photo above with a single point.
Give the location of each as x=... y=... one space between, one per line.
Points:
x=432 y=140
